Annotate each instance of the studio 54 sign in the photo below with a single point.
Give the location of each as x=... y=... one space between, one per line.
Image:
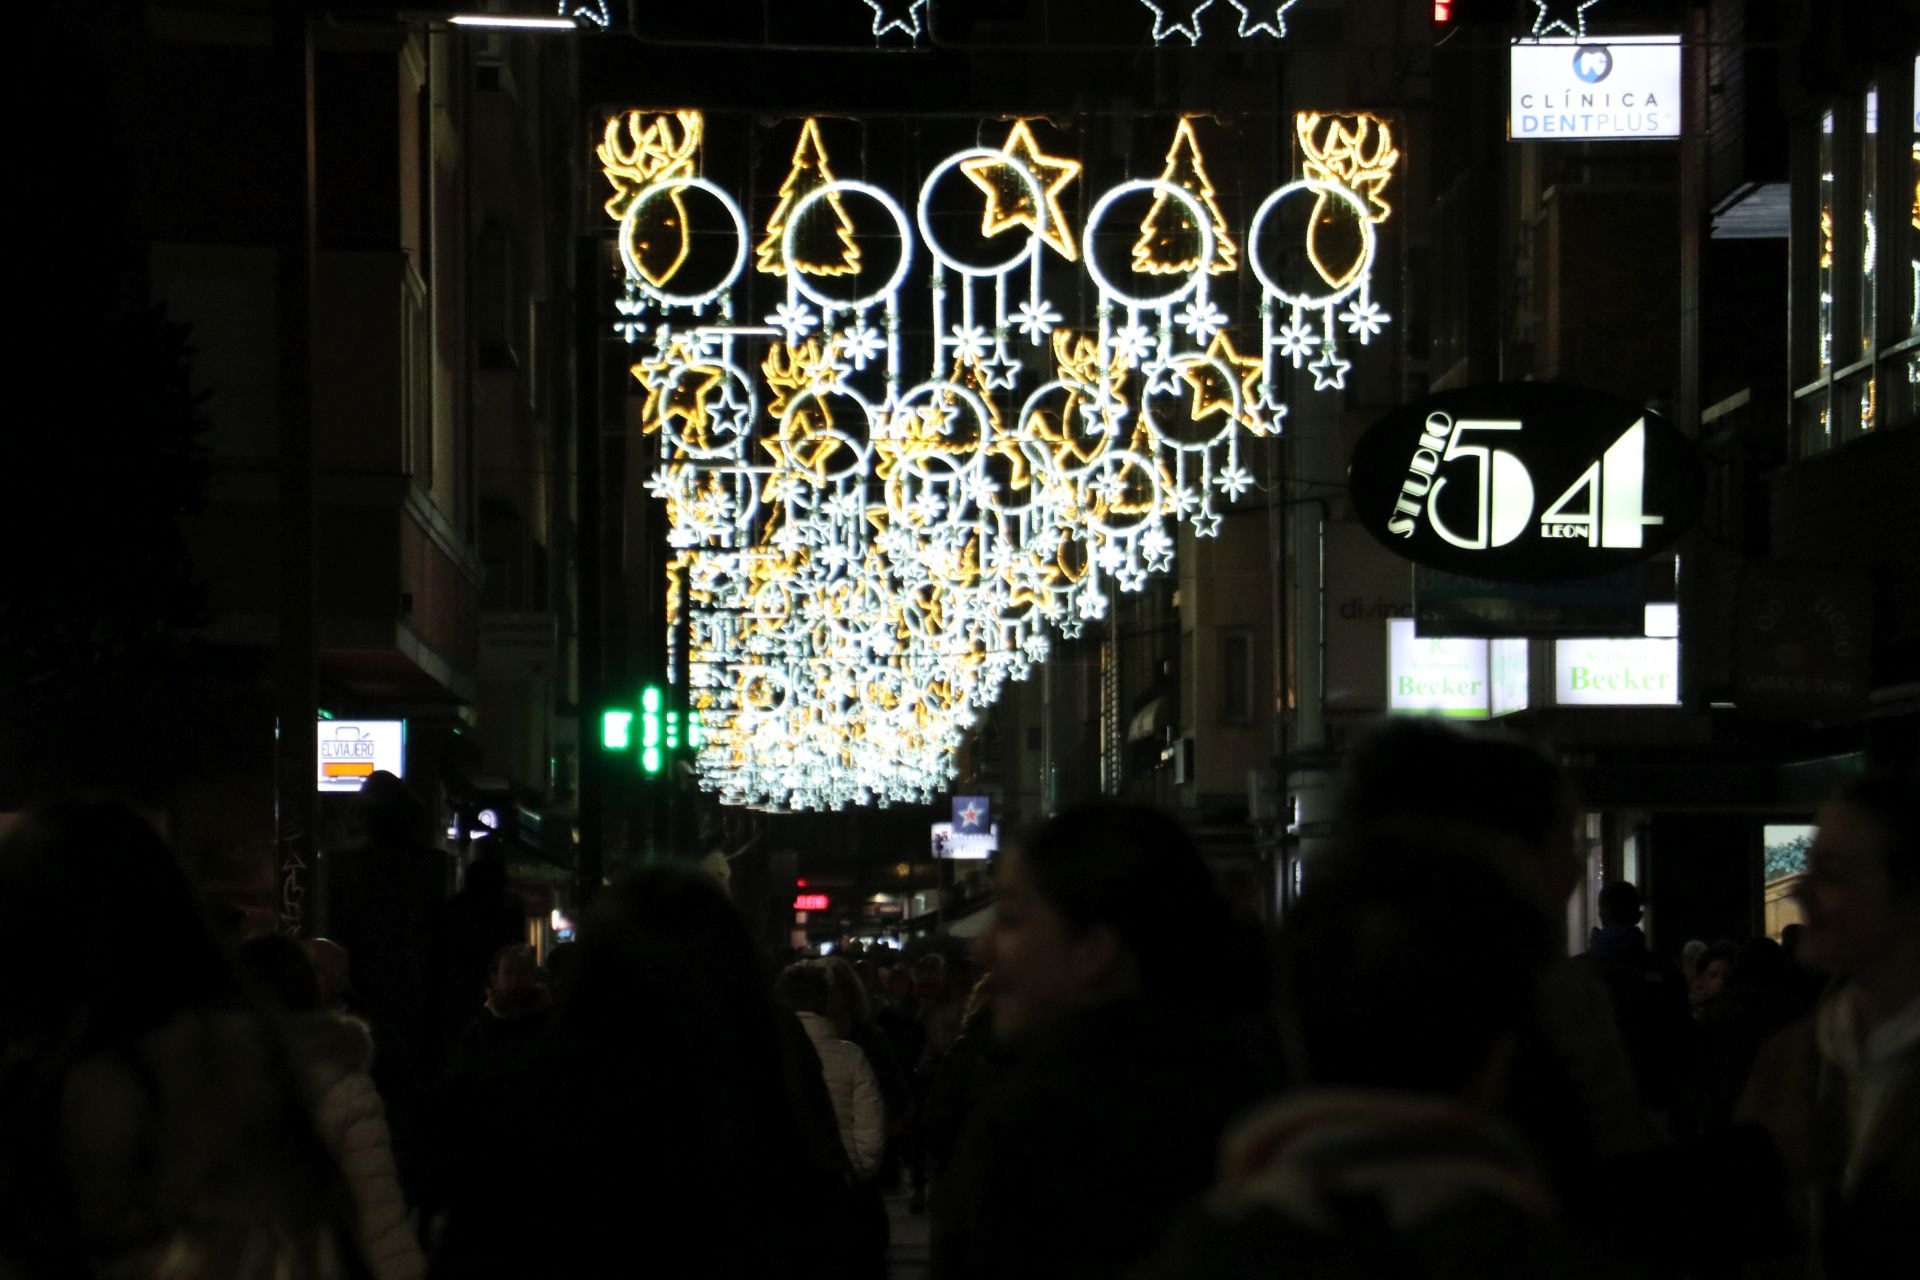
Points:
x=1525 y=482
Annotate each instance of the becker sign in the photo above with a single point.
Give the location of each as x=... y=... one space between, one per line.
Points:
x=1525 y=482
x=1585 y=89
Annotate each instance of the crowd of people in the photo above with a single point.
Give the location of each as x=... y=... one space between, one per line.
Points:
x=1123 y=1080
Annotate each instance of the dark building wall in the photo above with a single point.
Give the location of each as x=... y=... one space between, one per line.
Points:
x=1860 y=506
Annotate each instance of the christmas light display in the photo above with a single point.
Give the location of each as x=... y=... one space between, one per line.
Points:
x=904 y=16
x=1253 y=24
x=599 y=13
x=1176 y=18
x=1545 y=24
x=922 y=459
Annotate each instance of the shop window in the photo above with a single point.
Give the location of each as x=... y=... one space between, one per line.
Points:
x=1857 y=268
x=1869 y=237
x=1824 y=332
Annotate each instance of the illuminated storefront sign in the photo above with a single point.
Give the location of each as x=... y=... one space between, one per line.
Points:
x=1508 y=675
x=1525 y=482
x=811 y=902
x=1616 y=673
x=1580 y=90
x=1435 y=677
x=1463 y=677
x=350 y=751
x=950 y=843
x=902 y=441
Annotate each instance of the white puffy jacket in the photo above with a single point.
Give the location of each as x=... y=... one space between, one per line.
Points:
x=855 y=1093
x=336 y=1052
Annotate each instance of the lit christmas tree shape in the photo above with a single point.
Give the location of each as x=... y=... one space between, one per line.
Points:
x=808 y=175
x=928 y=455
x=1168 y=243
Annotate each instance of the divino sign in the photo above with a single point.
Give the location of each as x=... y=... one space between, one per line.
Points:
x=1525 y=482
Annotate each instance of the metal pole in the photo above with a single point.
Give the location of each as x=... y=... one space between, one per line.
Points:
x=588 y=867
x=296 y=682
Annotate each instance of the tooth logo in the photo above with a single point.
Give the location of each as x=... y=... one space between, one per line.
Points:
x=1592 y=63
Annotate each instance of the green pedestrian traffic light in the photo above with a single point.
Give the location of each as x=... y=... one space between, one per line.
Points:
x=616 y=730
x=654 y=739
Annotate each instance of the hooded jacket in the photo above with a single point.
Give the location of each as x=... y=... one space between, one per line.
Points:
x=336 y=1052
x=856 y=1093
x=1371 y=1185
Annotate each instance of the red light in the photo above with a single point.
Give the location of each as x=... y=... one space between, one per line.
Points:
x=801 y=883
x=810 y=902
x=1442 y=11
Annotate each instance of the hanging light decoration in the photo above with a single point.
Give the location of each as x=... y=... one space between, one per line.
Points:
x=870 y=535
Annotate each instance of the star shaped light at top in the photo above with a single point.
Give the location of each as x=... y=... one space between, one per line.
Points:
x=905 y=16
x=1252 y=25
x=598 y=12
x=970 y=815
x=1546 y=25
x=1165 y=27
x=1014 y=206
x=1223 y=381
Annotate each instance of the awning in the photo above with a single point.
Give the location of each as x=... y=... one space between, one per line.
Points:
x=1148 y=721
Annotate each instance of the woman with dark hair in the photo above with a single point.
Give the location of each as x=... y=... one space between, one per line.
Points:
x=653 y=1134
x=1130 y=1054
x=155 y=1123
x=335 y=1050
x=1840 y=1091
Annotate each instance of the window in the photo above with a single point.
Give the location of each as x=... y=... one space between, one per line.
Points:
x=1856 y=272
x=1869 y=240
x=1825 y=330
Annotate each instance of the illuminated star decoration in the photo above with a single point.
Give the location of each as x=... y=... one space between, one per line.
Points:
x=1214 y=391
x=905 y=16
x=1543 y=25
x=1052 y=173
x=1165 y=28
x=599 y=13
x=1252 y=26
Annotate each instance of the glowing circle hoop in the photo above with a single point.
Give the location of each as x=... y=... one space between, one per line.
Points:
x=940 y=253
x=667 y=187
x=1267 y=206
x=1233 y=423
x=798 y=278
x=1160 y=187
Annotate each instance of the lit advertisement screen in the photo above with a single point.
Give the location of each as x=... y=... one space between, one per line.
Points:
x=350 y=751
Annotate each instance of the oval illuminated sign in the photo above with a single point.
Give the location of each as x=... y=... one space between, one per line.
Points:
x=1525 y=482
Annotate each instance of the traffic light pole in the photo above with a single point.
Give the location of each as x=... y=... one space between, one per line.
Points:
x=296 y=681
x=589 y=544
